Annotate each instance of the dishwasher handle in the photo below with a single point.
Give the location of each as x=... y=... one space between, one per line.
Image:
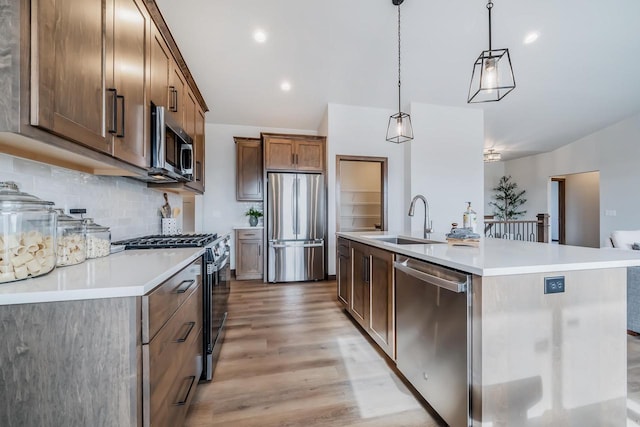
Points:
x=457 y=287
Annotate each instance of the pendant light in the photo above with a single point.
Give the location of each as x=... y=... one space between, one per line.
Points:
x=492 y=77
x=399 y=129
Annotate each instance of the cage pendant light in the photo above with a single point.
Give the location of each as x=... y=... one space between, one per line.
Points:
x=492 y=77
x=399 y=129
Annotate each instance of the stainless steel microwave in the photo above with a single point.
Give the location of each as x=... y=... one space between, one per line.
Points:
x=171 y=148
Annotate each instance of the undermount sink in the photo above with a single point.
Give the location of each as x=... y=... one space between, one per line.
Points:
x=400 y=240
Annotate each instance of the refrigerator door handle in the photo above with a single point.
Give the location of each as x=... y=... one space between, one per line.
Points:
x=294 y=216
x=297 y=221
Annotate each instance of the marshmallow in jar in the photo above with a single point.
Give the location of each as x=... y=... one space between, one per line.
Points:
x=72 y=240
x=27 y=234
x=98 y=239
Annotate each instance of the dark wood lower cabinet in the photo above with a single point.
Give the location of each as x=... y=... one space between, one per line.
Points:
x=89 y=363
x=343 y=276
x=365 y=283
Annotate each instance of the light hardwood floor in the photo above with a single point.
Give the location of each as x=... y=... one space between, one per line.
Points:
x=293 y=358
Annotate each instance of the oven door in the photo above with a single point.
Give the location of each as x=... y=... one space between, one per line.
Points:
x=219 y=297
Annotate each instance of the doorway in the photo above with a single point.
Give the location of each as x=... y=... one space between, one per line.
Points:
x=576 y=197
x=557 y=211
x=361 y=193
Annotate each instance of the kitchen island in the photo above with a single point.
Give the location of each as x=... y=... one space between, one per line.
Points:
x=111 y=341
x=540 y=351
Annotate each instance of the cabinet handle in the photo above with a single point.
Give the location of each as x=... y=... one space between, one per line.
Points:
x=296 y=159
x=121 y=98
x=198 y=171
x=172 y=99
x=259 y=250
x=189 y=326
x=191 y=380
x=114 y=111
x=293 y=159
x=182 y=289
x=175 y=99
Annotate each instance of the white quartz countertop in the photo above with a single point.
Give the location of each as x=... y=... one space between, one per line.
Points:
x=124 y=274
x=499 y=257
x=248 y=227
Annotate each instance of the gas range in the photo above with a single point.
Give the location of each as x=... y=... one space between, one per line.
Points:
x=170 y=241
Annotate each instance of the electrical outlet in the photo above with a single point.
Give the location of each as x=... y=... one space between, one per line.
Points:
x=554 y=285
x=610 y=212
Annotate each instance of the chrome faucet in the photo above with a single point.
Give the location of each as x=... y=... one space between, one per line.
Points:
x=412 y=209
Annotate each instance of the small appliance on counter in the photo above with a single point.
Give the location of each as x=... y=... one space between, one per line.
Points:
x=217 y=280
x=27 y=234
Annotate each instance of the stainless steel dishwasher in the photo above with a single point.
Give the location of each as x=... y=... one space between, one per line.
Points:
x=433 y=330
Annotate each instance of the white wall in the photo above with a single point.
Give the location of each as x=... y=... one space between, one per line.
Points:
x=446 y=164
x=361 y=131
x=493 y=171
x=613 y=151
x=218 y=208
x=125 y=205
x=582 y=209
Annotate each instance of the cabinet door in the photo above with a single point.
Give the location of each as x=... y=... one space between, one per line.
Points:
x=309 y=155
x=189 y=120
x=279 y=153
x=249 y=259
x=248 y=169
x=198 y=153
x=382 y=315
x=70 y=70
x=343 y=279
x=177 y=94
x=360 y=284
x=130 y=50
x=159 y=67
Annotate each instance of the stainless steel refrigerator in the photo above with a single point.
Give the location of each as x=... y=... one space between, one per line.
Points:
x=296 y=222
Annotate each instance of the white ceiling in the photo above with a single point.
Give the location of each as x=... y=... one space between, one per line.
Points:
x=582 y=74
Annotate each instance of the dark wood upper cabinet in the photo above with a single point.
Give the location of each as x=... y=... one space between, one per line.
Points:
x=89 y=74
x=177 y=94
x=160 y=61
x=294 y=152
x=198 y=152
x=131 y=62
x=69 y=71
x=249 y=170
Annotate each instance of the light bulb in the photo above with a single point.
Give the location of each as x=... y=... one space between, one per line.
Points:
x=399 y=125
x=490 y=75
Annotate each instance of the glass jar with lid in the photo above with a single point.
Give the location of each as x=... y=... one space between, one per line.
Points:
x=98 y=239
x=27 y=234
x=72 y=240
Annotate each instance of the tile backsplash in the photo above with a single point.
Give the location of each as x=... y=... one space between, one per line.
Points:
x=127 y=206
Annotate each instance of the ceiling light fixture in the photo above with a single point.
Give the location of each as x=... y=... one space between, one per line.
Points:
x=285 y=86
x=260 y=36
x=399 y=129
x=492 y=156
x=492 y=77
x=531 y=37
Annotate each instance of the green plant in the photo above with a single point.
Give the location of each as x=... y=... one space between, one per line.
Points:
x=254 y=212
x=508 y=199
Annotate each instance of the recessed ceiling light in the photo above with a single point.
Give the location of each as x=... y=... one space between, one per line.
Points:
x=531 y=37
x=260 y=36
x=285 y=86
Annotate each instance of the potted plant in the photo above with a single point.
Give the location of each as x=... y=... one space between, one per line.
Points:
x=253 y=215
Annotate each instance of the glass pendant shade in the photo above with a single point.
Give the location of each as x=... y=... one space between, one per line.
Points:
x=492 y=77
x=399 y=129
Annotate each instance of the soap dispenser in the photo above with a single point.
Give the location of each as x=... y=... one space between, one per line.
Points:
x=470 y=218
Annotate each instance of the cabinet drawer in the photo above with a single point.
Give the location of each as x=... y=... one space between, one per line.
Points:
x=172 y=354
x=249 y=234
x=159 y=305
